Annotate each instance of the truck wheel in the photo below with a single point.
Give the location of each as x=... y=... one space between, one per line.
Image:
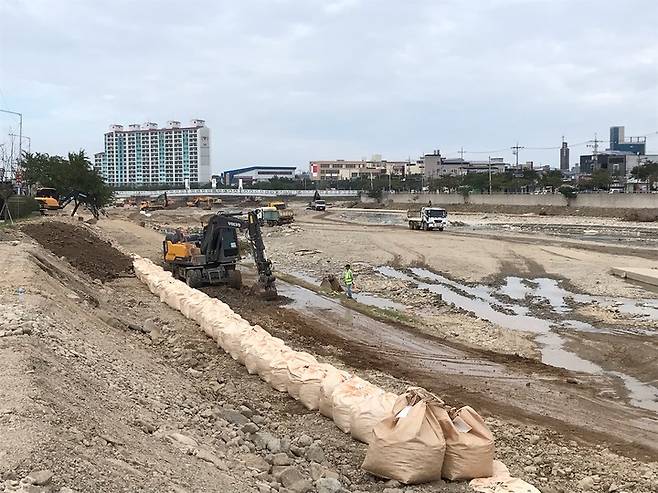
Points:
x=424 y=226
x=411 y=225
x=193 y=278
x=440 y=229
x=235 y=279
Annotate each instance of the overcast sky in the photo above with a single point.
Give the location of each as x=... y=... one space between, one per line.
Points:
x=287 y=81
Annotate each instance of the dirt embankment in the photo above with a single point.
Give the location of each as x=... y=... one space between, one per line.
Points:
x=84 y=251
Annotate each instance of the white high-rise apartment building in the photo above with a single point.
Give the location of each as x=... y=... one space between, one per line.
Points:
x=146 y=154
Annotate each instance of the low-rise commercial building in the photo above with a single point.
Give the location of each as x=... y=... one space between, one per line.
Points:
x=258 y=173
x=341 y=169
x=436 y=166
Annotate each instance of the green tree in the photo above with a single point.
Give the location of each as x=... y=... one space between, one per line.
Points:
x=601 y=179
x=66 y=175
x=647 y=171
x=553 y=178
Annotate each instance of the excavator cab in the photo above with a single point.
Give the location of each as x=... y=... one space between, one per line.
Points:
x=211 y=258
x=48 y=198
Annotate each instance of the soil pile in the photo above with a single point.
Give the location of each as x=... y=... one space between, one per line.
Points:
x=85 y=251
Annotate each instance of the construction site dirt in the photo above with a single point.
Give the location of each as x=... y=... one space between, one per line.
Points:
x=82 y=249
x=105 y=372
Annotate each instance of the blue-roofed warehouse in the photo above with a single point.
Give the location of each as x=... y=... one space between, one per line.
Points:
x=252 y=174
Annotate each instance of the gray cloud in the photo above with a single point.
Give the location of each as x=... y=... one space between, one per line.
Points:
x=288 y=81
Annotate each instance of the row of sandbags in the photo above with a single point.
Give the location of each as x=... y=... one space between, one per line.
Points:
x=411 y=437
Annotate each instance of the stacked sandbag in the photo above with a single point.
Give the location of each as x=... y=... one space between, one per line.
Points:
x=213 y=311
x=254 y=335
x=277 y=373
x=469 y=445
x=408 y=445
x=370 y=412
x=347 y=396
x=192 y=305
x=333 y=378
x=173 y=292
x=230 y=338
x=258 y=355
x=306 y=383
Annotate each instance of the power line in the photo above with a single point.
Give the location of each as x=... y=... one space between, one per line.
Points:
x=515 y=151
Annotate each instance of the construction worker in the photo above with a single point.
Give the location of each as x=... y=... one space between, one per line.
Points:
x=348 y=279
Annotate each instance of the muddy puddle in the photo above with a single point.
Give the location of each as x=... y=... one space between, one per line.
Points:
x=387 y=340
x=503 y=306
x=365 y=298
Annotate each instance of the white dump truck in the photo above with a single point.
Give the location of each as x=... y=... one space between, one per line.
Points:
x=428 y=218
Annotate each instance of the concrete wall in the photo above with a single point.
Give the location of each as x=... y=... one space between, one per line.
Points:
x=595 y=200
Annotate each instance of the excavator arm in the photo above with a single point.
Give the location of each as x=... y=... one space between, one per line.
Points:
x=263 y=264
x=216 y=247
x=80 y=198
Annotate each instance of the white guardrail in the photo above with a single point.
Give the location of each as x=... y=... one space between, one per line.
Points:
x=234 y=192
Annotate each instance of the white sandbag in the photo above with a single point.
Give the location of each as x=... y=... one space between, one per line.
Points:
x=408 y=445
x=298 y=367
x=226 y=326
x=253 y=337
x=232 y=335
x=346 y=396
x=276 y=373
x=258 y=355
x=370 y=412
x=157 y=283
x=192 y=306
x=306 y=383
x=332 y=379
x=501 y=482
x=212 y=318
x=272 y=358
x=172 y=293
x=213 y=310
x=469 y=445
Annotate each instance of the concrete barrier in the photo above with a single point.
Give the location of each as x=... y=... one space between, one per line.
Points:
x=591 y=200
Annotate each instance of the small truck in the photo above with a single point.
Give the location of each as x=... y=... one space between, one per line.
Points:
x=317 y=205
x=428 y=218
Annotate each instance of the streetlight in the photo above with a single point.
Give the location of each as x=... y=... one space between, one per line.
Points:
x=20 y=130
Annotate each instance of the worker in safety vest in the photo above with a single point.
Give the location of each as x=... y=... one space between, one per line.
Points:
x=348 y=279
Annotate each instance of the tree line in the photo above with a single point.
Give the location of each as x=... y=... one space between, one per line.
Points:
x=76 y=173
x=65 y=175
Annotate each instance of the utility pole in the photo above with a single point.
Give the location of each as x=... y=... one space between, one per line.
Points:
x=595 y=154
x=461 y=153
x=515 y=151
x=29 y=141
x=20 y=131
x=489 y=175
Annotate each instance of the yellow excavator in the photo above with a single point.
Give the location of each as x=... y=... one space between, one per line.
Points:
x=50 y=200
x=211 y=257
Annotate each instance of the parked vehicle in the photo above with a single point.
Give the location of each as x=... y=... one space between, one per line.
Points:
x=273 y=216
x=317 y=205
x=428 y=218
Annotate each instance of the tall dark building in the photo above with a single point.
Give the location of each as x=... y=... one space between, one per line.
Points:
x=564 y=157
x=619 y=142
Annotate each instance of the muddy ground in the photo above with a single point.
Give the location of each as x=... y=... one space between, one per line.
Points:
x=114 y=376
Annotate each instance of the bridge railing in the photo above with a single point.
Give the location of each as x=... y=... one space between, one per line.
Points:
x=218 y=192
